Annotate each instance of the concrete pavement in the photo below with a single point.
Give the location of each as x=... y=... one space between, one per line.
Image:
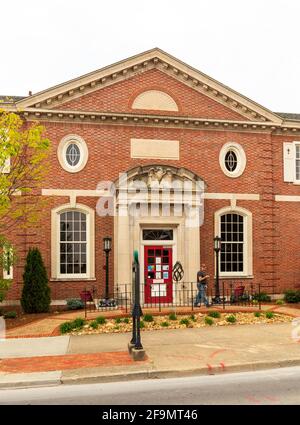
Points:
x=178 y=352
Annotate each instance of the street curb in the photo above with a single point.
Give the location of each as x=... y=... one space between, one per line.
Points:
x=26 y=380
x=163 y=374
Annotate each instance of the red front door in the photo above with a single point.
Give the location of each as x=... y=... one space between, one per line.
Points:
x=158 y=274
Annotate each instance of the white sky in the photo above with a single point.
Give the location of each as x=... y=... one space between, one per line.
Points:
x=251 y=46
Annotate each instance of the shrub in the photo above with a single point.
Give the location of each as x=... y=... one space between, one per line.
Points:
x=193 y=317
x=257 y=314
x=142 y=324
x=263 y=297
x=209 y=321
x=291 y=296
x=94 y=325
x=148 y=318
x=231 y=319
x=185 y=322
x=118 y=320
x=78 y=323
x=269 y=315
x=172 y=316
x=65 y=327
x=214 y=314
x=279 y=302
x=126 y=320
x=36 y=292
x=165 y=324
x=101 y=320
x=75 y=304
x=10 y=315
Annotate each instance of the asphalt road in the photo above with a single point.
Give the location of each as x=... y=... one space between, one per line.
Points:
x=277 y=386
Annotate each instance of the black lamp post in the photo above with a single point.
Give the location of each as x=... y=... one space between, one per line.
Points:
x=106 y=249
x=217 y=249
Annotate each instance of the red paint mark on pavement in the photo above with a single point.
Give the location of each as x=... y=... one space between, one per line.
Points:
x=68 y=361
x=209 y=366
x=252 y=399
x=222 y=365
x=215 y=353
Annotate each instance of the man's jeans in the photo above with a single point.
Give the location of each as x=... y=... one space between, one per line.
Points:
x=201 y=296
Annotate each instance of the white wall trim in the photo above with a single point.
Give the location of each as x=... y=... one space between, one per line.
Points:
x=287 y=198
x=233 y=196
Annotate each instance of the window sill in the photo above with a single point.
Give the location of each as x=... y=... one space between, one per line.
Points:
x=73 y=279
x=235 y=277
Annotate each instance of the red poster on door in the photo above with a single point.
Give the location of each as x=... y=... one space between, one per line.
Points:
x=158 y=274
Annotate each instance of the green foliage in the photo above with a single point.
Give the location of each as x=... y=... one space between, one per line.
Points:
x=209 y=321
x=193 y=317
x=101 y=320
x=214 y=314
x=36 y=292
x=231 y=318
x=279 y=302
x=184 y=321
x=10 y=315
x=257 y=314
x=65 y=327
x=75 y=304
x=126 y=320
x=269 y=315
x=78 y=323
x=172 y=316
x=165 y=324
x=94 y=325
x=291 y=296
x=142 y=324
x=17 y=143
x=118 y=320
x=263 y=297
x=148 y=318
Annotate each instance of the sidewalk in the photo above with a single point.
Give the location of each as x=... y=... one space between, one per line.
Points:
x=179 y=352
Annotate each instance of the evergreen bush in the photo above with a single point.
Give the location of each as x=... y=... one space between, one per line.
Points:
x=36 y=292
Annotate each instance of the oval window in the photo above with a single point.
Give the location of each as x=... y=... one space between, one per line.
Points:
x=73 y=154
x=231 y=161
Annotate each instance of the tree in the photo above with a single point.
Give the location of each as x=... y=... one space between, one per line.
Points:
x=23 y=150
x=36 y=292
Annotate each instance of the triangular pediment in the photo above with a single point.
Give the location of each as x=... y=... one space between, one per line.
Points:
x=60 y=95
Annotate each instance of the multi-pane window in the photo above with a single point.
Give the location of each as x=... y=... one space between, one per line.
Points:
x=233 y=239
x=73 y=243
x=73 y=154
x=297 y=162
x=231 y=161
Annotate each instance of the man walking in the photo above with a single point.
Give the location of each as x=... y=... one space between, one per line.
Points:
x=202 y=282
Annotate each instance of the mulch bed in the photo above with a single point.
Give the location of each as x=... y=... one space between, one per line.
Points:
x=25 y=319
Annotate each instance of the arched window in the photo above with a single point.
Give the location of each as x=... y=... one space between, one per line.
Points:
x=73 y=242
x=234 y=226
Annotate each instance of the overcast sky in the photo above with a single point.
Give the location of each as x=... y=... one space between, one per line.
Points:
x=251 y=46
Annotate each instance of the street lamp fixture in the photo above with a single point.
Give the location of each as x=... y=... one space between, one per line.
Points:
x=107 y=248
x=217 y=249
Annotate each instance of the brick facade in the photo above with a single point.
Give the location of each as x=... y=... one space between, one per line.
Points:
x=276 y=258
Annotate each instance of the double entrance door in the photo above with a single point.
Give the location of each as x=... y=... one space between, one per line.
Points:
x=158 y=274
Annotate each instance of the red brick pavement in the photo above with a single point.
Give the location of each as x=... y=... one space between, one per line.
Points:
x=68 y=361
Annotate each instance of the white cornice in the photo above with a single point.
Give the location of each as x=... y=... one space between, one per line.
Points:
x=154 y=58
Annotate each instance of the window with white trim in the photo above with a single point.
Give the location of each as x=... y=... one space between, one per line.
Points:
x=72 y=153
x=234 y=226
x=232 y=159
x=297 y=162
x=8 y=273
x=72 y=242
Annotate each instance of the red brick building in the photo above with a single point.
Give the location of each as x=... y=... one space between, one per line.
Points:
x=159 y=120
